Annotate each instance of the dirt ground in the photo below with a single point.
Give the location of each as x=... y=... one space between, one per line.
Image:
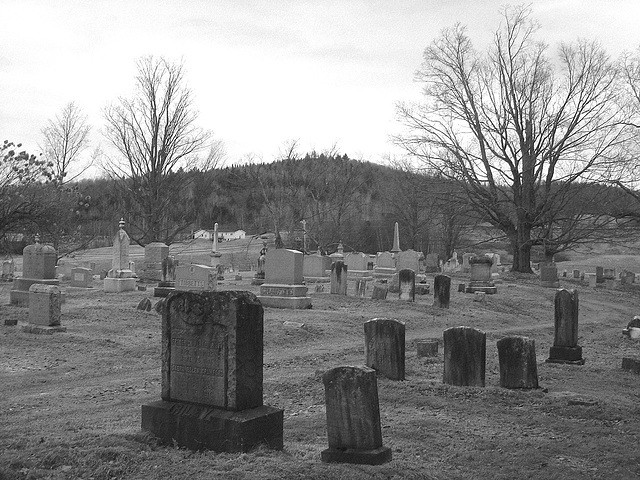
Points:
x=70 y=402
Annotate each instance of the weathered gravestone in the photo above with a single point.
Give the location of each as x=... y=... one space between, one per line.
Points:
x=409 y=259
x=379 y=292
x=441 y=291
x=361 y=287
x=407 y=285
x=576 y=274
x=466 y=266
x=81 y=277
x=431 y=263
x=357 y=264
x=284 y=284
x=38 y=266
x=338 y=278
x=385 y=265
x=120 y=278
x=316 y=267
x=212 y=357
x=194 y=277
x=427 y=348
x=353 y=417
x=8 y=269
x=480 y=280
x=168 y=282
x=154 y=255
x=384 y=347
x=565 y=347
x=599 y=275
x=549 y=275
x=517 y=359
x=465 y=353
x=44 y=309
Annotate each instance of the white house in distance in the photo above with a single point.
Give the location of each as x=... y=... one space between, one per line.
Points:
x=223 y=235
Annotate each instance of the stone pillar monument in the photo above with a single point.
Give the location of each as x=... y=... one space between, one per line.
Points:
x=38 y=266
x=565 y=347
x=215 y=255
x=396 y=239
x=120 y=278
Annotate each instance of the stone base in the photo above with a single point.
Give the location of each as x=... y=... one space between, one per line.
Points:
x=550 y=284
x=427 y=348
x=257 y=281
x=11 y=322
x=198 y=427
x=377 y=456
x=571 y=355
x=631 y=364
x=488 y=289
x=42 y=329
x=115 y=285
x=285 y=302
x=19 y=293
x=163 y=291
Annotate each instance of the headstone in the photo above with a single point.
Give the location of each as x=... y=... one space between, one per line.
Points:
x=379 y=292
x=38 y=266
x=599 y=275
x=480 y=280
x=194 y=277
x=385 y=265
x=8 y=269
x=462 y=287
x=81 y=277
x=284 y=284
x=627 y=278
x=353 y=417
x=465 y=352
x=361 y=287
x=549 y=275
x=338 y=278
x=631 y=364
x=517 y=359
x=565 y=347
x=466 y=266
x=609 y=273
x=154 y=255
x=592 y=279
x=212 y=361
x=396 y=239
x=120 y=278
x=258 y=278
x=316 y=267
x=427 y=348
x=44 y=309
x=407 y=285
x=409 y=259
x=357 y=263
x=168 y=282
x=216 y=256
x=384 y=347
x=431 y=263
x=576 y=274
x=441 y=291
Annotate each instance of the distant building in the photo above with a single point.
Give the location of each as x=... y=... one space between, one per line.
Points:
x=223 y=235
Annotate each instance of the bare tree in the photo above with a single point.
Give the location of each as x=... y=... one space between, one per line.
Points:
x=65 y=138
x=156 y=134
x=511 y=129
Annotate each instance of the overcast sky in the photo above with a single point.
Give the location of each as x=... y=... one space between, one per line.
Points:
x=262 y=72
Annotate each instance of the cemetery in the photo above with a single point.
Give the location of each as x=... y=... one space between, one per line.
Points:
x=530 y=382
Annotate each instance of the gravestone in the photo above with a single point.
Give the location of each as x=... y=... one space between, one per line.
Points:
x=379 y=292
x=396 y=239
x=609 y=273
x=44 y=309
x=338 y=278
x=120 y=278
x=38 y=266
x=466 y=266
x=284 y=284
x=480 y=280
x=549 y=275
x=599 y=275
x=409 y=259
x=427 y=348
x=631 y=364
x=627 y=277
x=565 y=347
x=517 y=359
x=592 y=279
x=316 y=267
x=576 y=274
x=216 y=256
x=168 y=282
x=407 y=285
x=361 y=287
x=194 y=277
x=154 y=255
x=465 y=353
x=353 y=417
x=212 y=361
x=384 y=347
x=431 y=263
x=357 y=264
x=81 y=277
x=8 y=269
x=385 y=265
x=441 y=291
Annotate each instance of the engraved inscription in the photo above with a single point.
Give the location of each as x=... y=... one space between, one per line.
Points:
x=277 y=291
x=186 y=282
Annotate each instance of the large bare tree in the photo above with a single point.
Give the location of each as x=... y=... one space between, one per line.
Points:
x=65 y=138
x=156 y=134
x=516 y=129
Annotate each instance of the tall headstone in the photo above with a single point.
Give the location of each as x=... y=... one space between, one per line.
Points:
x=465 y=354
x=466 y=266
x=353 y=417
x=216 y=256
x=565 y=347
x=407 y=285
x=599 y=275
x=441 y=291
x=396 y=239
x=154 y=255
x=517 y=359
x=38 y=266
x=284 y=283
x=549 y=275
x=120 y=278
x=384 y=347
x=338 y=278
x=480 y=280
x=168 y=282
x=212 y=357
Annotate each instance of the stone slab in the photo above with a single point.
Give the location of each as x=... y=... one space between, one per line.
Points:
x=572 y=355
x=483 y=289
x=631 y=364
x=376 y=456
x=427 y=348
x=285 y=302
x=163 y=291
x=198 y=427
x=116 y=285
x=42 y=329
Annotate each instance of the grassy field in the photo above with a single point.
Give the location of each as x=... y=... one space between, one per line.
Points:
x=70 y=402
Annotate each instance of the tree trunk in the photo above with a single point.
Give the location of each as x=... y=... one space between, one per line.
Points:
x=521 y=246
